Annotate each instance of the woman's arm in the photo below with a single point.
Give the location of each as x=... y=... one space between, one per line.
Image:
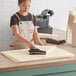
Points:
x=36 y=36
x=15 y=30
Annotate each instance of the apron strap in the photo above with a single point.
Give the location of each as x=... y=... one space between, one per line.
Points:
x=32 y=17
x=18 y=16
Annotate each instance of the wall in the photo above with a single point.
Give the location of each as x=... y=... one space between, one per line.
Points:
x=8 y=7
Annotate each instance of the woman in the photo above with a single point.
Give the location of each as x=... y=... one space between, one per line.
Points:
x=24 y=27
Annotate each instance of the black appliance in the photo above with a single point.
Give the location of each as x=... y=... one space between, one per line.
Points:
x=42 y=21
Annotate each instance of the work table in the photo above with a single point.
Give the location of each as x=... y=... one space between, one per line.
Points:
x=7 y=65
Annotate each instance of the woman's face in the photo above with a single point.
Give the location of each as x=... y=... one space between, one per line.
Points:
x=24 y=6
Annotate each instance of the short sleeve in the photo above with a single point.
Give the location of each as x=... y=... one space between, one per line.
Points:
x=14 y=21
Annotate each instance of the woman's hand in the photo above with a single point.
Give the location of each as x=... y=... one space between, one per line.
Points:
x=41 y=44
x=31 y=46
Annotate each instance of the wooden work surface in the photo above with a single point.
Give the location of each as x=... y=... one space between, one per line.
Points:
x=8 y=65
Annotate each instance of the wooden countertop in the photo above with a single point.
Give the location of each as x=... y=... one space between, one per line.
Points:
x=8 y=65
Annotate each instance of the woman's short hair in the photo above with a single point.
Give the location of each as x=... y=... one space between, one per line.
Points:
x=20 y=1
